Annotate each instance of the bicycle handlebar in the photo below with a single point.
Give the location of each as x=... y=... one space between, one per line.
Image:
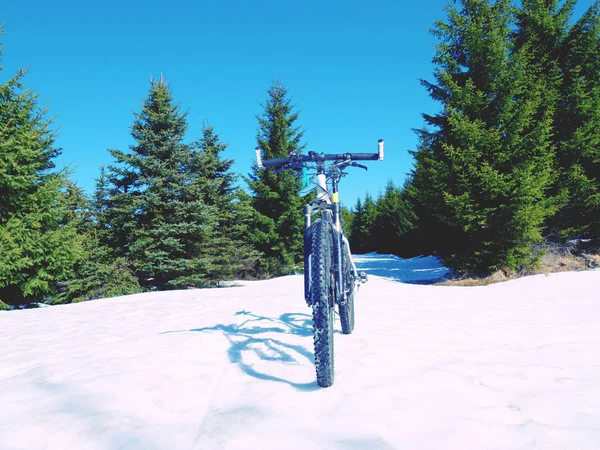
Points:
x=319 y=157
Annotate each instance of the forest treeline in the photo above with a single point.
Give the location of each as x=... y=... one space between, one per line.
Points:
x=512 y=156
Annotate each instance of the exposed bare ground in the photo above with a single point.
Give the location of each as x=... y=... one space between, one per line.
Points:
x=555 y=258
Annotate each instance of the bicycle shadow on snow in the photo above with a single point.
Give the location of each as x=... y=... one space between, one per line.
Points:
x=250 y=336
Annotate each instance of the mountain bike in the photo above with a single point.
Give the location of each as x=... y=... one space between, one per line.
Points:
x=330 y=276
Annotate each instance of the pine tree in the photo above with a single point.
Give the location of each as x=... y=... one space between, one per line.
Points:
x=37 y=248
x=347 y=218
x=577 y=125
x=485 y=166
x=276 y=196
x=77 y=207
x=363 y=231
x=369 y=230
x=97 y=272
x=155 y=208
x=394 y=222
x=230 y=253
x=357 y=239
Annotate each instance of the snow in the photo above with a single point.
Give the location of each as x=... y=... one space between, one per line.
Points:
x=418 y=270
x=508 y=366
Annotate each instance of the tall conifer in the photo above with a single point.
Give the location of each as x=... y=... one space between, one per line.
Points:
x=156 y=209
x=485 y=165
x=276 y=196
x=37 y=246
x=577 y=125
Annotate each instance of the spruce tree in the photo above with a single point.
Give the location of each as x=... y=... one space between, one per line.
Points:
x=363 y=229
x=37 y=247
x=369 y=230
x=357 y=238
x=485 y=166
x=394 y=222
x=276 y=196
x=155 y=208
x=347 y=218
x=97 y=272
x=230 y=253
x=577 y=125
x=77 y=207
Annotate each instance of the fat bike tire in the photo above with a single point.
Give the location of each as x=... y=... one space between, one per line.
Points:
x=347 y=315
x=322 y=300
x=347 y=308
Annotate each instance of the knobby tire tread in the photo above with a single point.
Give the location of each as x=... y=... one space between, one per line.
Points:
x=347 y=309
x=347 y=315
x=322 y=302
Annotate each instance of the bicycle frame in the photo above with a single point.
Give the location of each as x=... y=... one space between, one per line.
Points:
x=329 y=207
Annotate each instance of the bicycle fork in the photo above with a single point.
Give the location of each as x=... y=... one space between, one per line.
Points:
x=338 y=266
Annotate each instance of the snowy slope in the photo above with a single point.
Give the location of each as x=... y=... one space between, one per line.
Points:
x=509 y=366
x=418 y=270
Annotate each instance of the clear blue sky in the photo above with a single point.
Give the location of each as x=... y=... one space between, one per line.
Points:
x=351 y=67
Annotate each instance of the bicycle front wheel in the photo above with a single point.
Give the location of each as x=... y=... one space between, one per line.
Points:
x=347 y=307
x=322 y=300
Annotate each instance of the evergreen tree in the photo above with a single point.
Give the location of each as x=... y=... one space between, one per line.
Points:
x=77 y=208
x=394 y=222
x=156 y=213
x=484 y=168
x=356 y=230
x=363 y=225
x=99 y=205
x=276 y=196
x=369 y=225
x=347 y=218
x=97 y=272
x=229 y=251
x=36 y=249
x=577 y=125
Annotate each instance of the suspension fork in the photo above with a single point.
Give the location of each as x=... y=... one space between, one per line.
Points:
x=338 y=244
x=307 y=247
x=341 y=296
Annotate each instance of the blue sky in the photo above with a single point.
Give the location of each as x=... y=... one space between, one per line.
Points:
x=351 y=68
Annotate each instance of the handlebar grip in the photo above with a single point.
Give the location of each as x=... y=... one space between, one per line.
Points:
x=259 y=161
x=364 y=156
x=275 y=162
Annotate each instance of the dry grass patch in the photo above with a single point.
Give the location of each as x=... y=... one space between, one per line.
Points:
x=497 y=277
x=555 y=258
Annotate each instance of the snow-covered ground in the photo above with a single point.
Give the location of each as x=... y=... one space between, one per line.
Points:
x=509 y=366
x=417 y=270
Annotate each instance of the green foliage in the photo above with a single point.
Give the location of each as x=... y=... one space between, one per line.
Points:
x=154 y=211
x=37 y=245
x=486 y=164
x=577 y=124
x=276 y=196
x=363 y=229
x=77 y=208
x=97 y=274
x=394 y=222
x=384 y=225
x=229 y=251
x=168 y=207
x=347 y=218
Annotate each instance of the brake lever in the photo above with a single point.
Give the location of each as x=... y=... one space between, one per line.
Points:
x=354 y=164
